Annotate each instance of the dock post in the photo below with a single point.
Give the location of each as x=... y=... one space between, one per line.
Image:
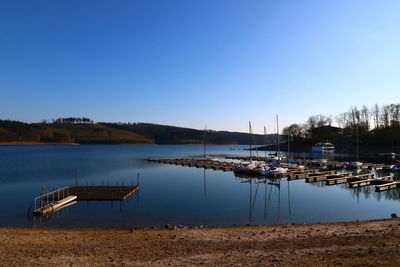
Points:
x=76 y=177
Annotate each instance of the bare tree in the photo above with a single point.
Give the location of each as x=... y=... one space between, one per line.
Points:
x=385 y=116
x=376 y=115
x=365 y=118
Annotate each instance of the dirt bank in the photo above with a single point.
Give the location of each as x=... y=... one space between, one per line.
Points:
x=373 y=243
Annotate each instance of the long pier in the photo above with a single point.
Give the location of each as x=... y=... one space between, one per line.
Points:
x=314 y=171
x=200 y=163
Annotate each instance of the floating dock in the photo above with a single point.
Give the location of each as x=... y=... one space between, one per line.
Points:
x=372 y=181
x=342 y=180
x=200 y=163
x=325 y=177
x=386 y=186
x=101 y=193
x=49 y=202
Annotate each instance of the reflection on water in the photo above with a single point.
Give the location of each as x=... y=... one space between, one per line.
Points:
x=173 y=194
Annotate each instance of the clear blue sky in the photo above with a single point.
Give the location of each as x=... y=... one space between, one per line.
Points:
x=197 y=62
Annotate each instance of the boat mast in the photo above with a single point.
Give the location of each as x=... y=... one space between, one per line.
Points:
x=288 y=146
x=265 y=143
x=204 y=141
x=277 y=133
x=250 y=138
x=357 y=139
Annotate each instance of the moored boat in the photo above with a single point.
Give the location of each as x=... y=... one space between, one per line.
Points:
x=353 y=164
x=323 y=147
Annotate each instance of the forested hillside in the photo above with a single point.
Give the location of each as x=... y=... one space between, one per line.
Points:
x=84 y=131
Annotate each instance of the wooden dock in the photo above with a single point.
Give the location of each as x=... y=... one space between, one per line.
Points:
x=314 y=171
x=388 y=185
x=324 y=177
x=372 y=181
x=341 y=180
x=60 y=198
x=307 y=173
x=102 y=193
x=200 y=163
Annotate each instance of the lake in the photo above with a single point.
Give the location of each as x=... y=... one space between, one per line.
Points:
x=169 y=193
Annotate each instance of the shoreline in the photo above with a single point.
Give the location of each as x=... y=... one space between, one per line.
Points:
x=372 y=242
x=122 y=144
x=33 y=143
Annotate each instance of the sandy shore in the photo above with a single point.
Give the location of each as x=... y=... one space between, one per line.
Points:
x=365 y=243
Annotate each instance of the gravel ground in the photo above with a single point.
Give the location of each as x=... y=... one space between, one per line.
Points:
x=361 y=243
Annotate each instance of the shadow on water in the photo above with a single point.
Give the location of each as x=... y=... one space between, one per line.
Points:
x=272 y=196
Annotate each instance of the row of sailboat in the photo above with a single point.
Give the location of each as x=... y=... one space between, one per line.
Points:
x=275 y=169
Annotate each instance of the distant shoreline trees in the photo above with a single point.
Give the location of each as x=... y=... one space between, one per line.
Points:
x=73 y=120
x=365 y=120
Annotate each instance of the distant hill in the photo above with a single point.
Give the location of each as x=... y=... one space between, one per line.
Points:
x=117 y=133
x=164 y=134
x=14 y=131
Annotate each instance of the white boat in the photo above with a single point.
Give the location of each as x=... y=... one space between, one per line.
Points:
x=395 y=168
x=274 y=171
x=293 y=166
x=251 y=168
x=354 y=164
x=323 y=147
x=319 y=163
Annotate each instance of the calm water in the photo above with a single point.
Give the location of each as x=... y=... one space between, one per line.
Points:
x=171 y=194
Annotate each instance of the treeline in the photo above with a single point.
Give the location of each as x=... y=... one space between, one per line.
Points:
x=70 y=132
x=15 y=131
x=72 y=120
x=83 y=131
x=379 y=121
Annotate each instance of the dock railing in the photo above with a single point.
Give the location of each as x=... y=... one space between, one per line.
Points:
x=51 y=196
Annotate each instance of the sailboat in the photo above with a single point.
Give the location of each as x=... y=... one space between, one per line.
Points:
x=250 y=168
x=355 y=164
x=275 y=169
x=268 y=157
x=291 y=164
x=205 y=157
